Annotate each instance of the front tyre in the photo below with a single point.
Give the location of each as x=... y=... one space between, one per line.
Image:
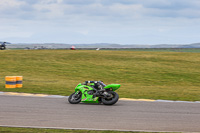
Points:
x=75 y=98
x=112 y=99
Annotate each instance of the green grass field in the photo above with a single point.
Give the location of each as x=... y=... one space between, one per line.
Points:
x=151 y=75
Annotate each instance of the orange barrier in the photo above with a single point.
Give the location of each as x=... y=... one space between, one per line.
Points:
x=10 y=81
x=19 y=81
x=13 y=81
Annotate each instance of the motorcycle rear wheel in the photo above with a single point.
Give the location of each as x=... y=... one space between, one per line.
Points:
x=111 y=101
x=75 y=98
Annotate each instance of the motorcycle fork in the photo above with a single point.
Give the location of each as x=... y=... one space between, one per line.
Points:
x=77 y=92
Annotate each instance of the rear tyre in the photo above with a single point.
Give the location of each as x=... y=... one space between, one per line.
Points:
x=75 y=98
x=112 y=100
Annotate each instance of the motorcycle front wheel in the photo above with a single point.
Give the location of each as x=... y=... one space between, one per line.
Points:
x=75 y=98
x=111 y=100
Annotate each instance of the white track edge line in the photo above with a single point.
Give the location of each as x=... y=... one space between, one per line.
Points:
x=127 y=99
x=94 y=129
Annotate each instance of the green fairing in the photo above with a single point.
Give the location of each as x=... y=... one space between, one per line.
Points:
x=86 y=98
x=114 y=87
x=79 y=87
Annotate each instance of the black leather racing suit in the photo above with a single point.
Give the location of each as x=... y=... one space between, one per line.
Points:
x=98 y=85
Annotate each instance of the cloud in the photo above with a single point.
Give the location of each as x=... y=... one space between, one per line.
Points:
x=123 y=21
x=10 y=3
x=58 y=9
x=79 y=2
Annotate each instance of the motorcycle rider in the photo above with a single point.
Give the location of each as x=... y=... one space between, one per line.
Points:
x=98 y=86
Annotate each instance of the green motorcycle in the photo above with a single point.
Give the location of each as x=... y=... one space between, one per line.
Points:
x=95 y=92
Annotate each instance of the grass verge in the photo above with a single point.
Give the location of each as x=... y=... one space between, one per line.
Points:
x=39 y=130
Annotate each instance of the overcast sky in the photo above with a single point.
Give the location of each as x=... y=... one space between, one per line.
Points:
x=100 y=21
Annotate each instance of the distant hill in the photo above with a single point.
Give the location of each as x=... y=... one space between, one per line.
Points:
x=6 y=42
x=107 y=45
x=194 y=45
x=100 y=45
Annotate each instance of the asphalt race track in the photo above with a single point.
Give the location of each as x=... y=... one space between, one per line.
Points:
x=21 y=111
